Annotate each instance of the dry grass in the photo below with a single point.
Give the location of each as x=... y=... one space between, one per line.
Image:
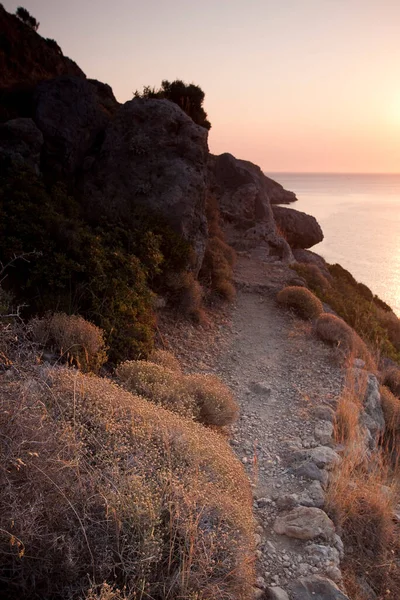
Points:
x=203 y=398
x=187 y=295
x=391 y=323
x=165 y=359
x=391 y=410
x=362 y=496
x=338 y=333
x=72 y=338
x=98 y=485
x=301 y=301
x=215 y=401
x=158 y=384
x=391 y=379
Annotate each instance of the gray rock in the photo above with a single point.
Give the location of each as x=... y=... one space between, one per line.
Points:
x=312 y=258
x=244 y=196
x=324 y=432
x=261 y=388
x=309 y=470
x=325 y=413
x=321 y=553
x=21 y=141
x=69 y=113
x=300 y=230
x=334 y=573
x=373 y=417
x=322 y=456
x=287 y=501
x=316 y=588
x=338 y=543
x=313 y=495
x=305 y=523
x=276 y=593
x=153 y=156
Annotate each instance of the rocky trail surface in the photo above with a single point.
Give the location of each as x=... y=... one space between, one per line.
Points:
x=287 y=384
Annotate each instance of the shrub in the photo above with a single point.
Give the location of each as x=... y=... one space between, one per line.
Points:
x=216 y=270
x=159 y=384
x=98 y=485
x=71 y=337
x=27 y=18
x=186 y=294
x=391 y=410
x=165 y=359
x=301 y=300
x=188 y=97
x=312 y=275
x=214 y=400
x=337 y=333
x=391 y=378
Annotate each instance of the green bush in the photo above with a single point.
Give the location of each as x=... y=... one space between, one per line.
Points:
x=301 y=301
x=27 y=18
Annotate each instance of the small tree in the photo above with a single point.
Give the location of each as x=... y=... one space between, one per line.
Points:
x=188 y=97
x=27 y=18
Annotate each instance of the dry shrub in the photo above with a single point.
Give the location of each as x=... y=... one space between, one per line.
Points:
x=98 y=485
x=165 y=359
x=217 y=268
x=71 y=337
x=313 y=276
x=391 y=378
x=301 y=300
x=337 y=333
x=391 y=409
x=187 y=294
x=160 y=385
x=215 y=400
x=391 y=323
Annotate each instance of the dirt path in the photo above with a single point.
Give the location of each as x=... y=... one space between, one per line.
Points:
x=285 y=381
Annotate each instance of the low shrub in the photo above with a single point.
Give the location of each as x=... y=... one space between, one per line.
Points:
x=159 y=384
x=301 y=301
x=99 y=485
x=186 y=294
x=215 y=401
x=72 y=338
x=216 y=270
x=312 y=275
x=391 y=378
x=337 y=333
x=165 y=359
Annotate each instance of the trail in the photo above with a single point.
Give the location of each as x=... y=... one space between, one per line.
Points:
x=285 y=381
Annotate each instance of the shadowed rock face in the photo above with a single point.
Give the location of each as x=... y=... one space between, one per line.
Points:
x=71 y=112
x=243 y=194
x=300 y=230
x=155 y=156
x=26 y=58
x=21 y=143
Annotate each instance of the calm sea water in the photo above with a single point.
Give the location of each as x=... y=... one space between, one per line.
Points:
x=360 y=218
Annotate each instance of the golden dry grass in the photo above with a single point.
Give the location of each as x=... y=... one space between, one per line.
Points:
x=362 y=496
x=301 y=301
x=160 y=385
x=338 y=333
x=215 y=400
x=165 y=359
x=71 y=337
x=98 y=485
x=391 y=379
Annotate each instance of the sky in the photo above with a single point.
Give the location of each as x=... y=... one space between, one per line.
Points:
x=292 y=85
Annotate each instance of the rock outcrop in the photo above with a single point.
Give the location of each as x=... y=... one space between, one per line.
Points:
x=71 y=113
x=300 y=230
x=244 y=194
x=155 y=156
x=21 y=143
x=27 y=58
x=316 y=588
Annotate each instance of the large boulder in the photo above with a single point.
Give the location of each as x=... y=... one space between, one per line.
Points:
x=300 y=230
x=243 y=195
x=305 y=523
x=316 y=587
x=21 y=143
x=155 y=156
x=71 y=113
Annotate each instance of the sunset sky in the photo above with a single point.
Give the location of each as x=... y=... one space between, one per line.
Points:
x=293 y=85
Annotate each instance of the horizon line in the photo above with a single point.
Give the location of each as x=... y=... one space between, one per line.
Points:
x=332 y=172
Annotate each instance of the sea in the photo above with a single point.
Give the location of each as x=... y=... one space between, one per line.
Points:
x=360 y=218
